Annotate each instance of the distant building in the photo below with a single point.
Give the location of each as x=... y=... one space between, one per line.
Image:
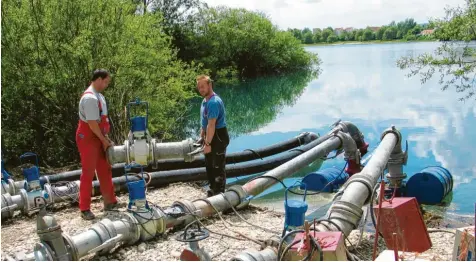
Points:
x=339 y=31
x=427 y=32
x=314 y=30
x=349 y=29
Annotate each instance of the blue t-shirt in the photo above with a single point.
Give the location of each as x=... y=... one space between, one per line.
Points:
x=214 y=108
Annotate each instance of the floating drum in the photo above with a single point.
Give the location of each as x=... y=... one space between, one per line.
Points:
x=430 y=185
x=326 y=180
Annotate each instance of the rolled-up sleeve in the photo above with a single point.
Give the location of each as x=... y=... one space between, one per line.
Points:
x=90 y=108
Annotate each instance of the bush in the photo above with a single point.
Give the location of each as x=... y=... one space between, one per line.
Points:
x=49 y=50
x=237 y=42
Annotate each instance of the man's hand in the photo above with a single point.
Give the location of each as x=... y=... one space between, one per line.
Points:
x=106 y=143
x=207 y=149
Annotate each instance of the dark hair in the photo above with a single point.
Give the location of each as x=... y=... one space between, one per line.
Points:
x=100 y=73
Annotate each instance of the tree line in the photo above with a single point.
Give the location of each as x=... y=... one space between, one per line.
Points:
x=154 y=49
x=407 y=30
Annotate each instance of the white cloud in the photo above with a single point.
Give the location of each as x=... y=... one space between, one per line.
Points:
x=342 y=13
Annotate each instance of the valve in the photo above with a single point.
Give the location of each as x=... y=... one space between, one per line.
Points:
x=5 y=174
x=192 y=236
x=136 y=190
x=138 y=123
x=31 y=173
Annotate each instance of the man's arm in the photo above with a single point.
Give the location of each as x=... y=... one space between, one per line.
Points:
x=202 y=133
x=210 y=130
x=93 y=124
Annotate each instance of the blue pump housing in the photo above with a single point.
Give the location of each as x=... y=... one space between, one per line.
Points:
x=32 y=174
x=430 y=185
x=136 y=190
x=326 y=180
x=138 y=123
x=295 y=210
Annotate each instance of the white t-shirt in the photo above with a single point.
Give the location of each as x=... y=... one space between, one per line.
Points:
x=88 y=105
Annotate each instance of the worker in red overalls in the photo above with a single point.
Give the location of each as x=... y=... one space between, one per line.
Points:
x=92 y=140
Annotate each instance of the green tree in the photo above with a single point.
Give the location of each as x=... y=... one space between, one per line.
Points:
x=308 y=38
x=332 y=38
x=317 y=36
x=237 y=43
x=49 y=50
x=326 y=33
x=390 y=33
x=380 y=33
x=454 y=62
x=368 y=35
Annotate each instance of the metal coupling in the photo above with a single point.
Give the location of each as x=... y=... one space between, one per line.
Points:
x=188 y=208
x=351 y=151
x=242 y=194
x=395 y=131
x=345 y=211
x=361 y=178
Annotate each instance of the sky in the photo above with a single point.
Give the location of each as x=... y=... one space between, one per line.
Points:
x=342 y=13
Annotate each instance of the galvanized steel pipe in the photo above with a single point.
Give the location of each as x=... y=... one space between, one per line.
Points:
x=346 y=211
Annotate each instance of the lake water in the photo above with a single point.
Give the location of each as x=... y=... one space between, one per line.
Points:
x=361 y=84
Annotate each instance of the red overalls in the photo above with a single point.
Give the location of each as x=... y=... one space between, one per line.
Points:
x=93 y=158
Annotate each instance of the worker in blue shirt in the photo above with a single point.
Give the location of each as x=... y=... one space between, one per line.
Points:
x=213 y=134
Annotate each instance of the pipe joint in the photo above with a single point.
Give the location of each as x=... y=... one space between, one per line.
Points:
x=242 y=194
x=395 y=131
x=8 y=207
x=267 y=254
x=188 y=208
x=361 y=178
x=351 y=151
x=347 y=212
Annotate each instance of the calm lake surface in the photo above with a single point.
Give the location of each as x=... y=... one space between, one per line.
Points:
x=361 y=84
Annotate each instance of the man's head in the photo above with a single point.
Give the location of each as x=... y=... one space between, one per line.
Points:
x=100 y=79
x=204 y=85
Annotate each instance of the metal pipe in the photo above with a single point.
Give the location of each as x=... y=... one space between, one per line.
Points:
x=12 y=187
x=347 y=211
x=144 y=226
x=175 y=164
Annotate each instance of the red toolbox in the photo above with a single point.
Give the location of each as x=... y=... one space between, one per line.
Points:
x=402 y=216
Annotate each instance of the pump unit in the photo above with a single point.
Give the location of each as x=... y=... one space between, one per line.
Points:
x=141 y=148
x=31 y=173
x=137 y=198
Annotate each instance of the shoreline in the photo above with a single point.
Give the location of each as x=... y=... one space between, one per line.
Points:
x=366 y=42
x=20 y=234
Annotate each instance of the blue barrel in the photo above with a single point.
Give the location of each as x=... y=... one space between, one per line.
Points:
x=138 y=123
x=430 y=186
x=326 y=180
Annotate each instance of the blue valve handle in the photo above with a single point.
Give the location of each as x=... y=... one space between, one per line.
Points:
x=28 y=154
x=296 y=184
x=138 y=102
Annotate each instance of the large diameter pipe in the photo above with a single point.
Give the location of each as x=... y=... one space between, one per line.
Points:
x=257 y=186
x=175 y=164
x=347 y=211
x=12 y=187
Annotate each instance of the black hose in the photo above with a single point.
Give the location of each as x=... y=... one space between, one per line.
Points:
x=314 y=245
x=163 y=178
x=175 y=164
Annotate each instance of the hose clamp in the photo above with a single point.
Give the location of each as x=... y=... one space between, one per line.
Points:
x=73 y=250
x=392 y=130
x=242 y=194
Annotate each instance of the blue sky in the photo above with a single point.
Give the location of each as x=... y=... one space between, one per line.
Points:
x=342 y=13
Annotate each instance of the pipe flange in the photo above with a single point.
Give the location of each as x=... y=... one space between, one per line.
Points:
x=393 y=130
x=43 y=252
x=48 y=195
x=128 y=152
x=152 y=146
x=73 y=250
x=111 y=231
x=242 y=194
x=12 y=188
x=7 y=202
x=159 y=215
x=134 y=228
x=187 y=147
x=24 y=199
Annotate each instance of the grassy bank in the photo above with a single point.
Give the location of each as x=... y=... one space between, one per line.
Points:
x=367 y=42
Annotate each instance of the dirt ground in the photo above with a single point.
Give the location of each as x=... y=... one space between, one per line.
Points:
x=19 y=234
